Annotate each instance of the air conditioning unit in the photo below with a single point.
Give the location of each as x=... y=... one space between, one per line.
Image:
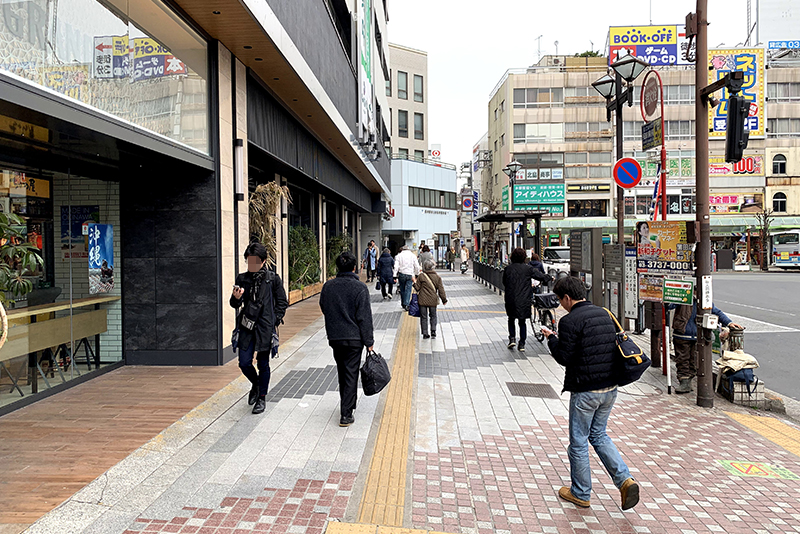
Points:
x=408 y=234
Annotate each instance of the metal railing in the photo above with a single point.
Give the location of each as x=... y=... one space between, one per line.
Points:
x=490 y=276
x=426 y=161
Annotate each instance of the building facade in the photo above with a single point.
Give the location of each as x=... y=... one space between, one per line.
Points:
x=132 y=142
x=550 y=119
x=407 y=94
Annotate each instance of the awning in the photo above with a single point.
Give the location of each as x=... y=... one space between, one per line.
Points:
x=509 y=216
x=718 y=224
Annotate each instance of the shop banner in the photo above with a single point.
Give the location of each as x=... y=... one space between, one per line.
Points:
x=663 y=248
x=678 y=291
x=552 y=209
x=73 y=239
x=151 y=60
x=101 y=258
x=751 y=62
x=69 y=80
x=112 y=58
x=651 y=287
x=504 y=198
x=657 y=45
x=539 y=193
x=748 y=166
x=652 y=134
x=738 y=202
x=631 y=284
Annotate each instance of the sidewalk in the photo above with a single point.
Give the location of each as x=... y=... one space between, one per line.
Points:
x=450 y=446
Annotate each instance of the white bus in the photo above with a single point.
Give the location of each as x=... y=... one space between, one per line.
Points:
x=786 y=249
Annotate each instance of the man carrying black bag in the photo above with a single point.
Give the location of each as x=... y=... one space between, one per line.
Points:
x=345 y=304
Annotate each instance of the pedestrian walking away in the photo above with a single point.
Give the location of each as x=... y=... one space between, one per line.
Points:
x=587 y=348
x=425 y=255
x=464 y=257
x=348 y=322
x=518 y=279
x=370 y=261
x=430 y=289
x=684 y=337
x=451 y=259
x=386 y=273
x=406 y=268
x=260 y=295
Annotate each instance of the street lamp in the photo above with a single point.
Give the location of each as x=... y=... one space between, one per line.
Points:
x=626 y=70
x=511 y=171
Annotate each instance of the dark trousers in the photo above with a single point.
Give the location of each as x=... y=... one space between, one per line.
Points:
x=348 y=361
x=370 y=272
x=261 y=378
x=424 y=313
x=386 y=289
x=523 y=330
x=685 y=358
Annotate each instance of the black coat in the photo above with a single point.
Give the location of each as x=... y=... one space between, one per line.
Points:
x=274 y=304
x=386 y=268
x=586 y=346
x=517 y=278
x=538 y=265
x=345 y=303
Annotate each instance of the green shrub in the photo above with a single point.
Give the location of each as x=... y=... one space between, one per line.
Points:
x=337 y=245
x=303 y=257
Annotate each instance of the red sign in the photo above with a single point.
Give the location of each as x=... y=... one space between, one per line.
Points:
x=651 y=92
x=436 y=153
x=627 y=173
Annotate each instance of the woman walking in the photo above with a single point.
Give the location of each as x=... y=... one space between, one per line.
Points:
x=425 y=255
x=386 y=273
x=430 y=289
x=260 y=295
x=451 y=259
x=517 y=280
x=464 y=254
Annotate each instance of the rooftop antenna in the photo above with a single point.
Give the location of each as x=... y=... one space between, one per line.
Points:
x=591 y=43
x=539 y=47
x=749 y=22
x=651 y=11
x=556 y=43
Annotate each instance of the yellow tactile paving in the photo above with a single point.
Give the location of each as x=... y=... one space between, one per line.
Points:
x=354 y=528
x=773 y=429
x=385 y=490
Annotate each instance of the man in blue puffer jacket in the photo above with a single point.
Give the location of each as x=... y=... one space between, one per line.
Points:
x=684 y=337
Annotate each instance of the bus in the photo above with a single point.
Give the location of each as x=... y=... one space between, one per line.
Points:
x=786 y=249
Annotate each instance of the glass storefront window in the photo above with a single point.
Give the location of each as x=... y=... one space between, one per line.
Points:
x=134 y=59
x=70 y=324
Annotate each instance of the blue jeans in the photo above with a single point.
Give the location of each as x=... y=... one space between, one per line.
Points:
x=404 y=280
x=260 y=378
x=588 y=416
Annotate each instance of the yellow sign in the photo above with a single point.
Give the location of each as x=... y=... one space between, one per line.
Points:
x=24 y=129
x=19 y=184
x=657 y=45
x=751 y=62
x=70 y=80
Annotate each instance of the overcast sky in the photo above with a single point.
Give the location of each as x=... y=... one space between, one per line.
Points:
x=471 y=43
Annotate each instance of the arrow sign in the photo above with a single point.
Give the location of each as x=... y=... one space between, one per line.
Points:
x=103 y=47
x=627 y=173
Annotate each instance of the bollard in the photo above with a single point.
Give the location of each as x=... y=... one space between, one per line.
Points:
x=736 y=338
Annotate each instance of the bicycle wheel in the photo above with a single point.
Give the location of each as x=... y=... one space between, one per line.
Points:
x=536 y=325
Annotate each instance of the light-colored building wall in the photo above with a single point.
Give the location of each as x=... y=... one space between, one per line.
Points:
x=414 y=63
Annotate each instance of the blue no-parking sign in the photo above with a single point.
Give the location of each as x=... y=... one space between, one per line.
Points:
x=627 y=173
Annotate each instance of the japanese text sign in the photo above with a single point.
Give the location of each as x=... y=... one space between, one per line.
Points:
x=101 y=258
x=663 y=248
x=751 y=62
x=539 y=193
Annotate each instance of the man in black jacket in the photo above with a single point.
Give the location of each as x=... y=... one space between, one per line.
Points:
x=518 y=279
x=586 y=346
x=348 y=323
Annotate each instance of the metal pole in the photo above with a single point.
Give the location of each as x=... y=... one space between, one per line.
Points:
x=620 y=191
x=705 y=390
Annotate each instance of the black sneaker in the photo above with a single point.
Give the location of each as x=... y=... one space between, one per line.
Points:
x=253 y=397
x=433 y=335
x=261 y=405
x=521 y=346
x=425 y=336
x=347 y=421
x=512 y=343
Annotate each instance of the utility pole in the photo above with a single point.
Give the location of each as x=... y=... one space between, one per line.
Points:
x=705 y=389
x=619 y=140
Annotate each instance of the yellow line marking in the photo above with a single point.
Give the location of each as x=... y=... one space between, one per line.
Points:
x=383 y=502
x=773 y=429
x=472 y=311
x=355 y=528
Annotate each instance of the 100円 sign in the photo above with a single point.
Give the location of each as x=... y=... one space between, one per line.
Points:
x=664 y=247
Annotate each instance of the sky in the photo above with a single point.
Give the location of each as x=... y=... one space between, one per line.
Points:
x=471 y=44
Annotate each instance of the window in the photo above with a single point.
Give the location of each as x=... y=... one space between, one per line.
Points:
x=419 y=155
x=677 y=129
x=419 y=130
x=503 y=140
x=786 y=239
x=779 y=164
x=783 y=92
x=676 y=94
x=495 y=146
x=389 y=85
x=539 y=133
x=429 y=198
x=532 y=98
x=495 y=114
x=403 y=153
x=502 y=106
x=600 y=157
x=402 y=123
x=587 y=208
x=402 y=85
x=783 y=127
x=519 y=133
x=779 y=202
x=600 y=172
x=575 y=157
x=418 y=88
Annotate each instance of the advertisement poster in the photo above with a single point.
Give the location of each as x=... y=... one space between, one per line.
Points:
x=151 y=60
x=112 y=58
x=657 y=45
x=751 y=62
x=101 y=258
x=678 y=291
x=651 y=287
x=747 y=202
x=504 y=198
x=73 y=240
x=631 y=284
x=663 y=248
x=69 y=80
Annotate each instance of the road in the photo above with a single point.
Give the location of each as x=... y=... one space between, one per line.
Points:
x=768 y=305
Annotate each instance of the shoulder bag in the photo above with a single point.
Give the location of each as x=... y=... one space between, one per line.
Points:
x=633 y=362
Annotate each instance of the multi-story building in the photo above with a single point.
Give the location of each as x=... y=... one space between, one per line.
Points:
x=407 y=95
x=550 y=119
x=156 y=123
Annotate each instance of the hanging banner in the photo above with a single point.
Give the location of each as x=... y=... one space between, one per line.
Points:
x=101 y=258
x=751 y=62
x=73 y=238
x=151 y=60
x=366 y=110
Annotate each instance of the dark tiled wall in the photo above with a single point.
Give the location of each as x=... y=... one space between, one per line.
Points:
x=170 y=257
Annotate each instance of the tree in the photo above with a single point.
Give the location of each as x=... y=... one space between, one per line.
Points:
x=764 y=219
x=264 y=218
x=588 y=53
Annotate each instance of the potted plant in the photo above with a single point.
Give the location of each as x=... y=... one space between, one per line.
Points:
x=303 y=260
x=18 y=259
x=264 y=217
x=336 y=245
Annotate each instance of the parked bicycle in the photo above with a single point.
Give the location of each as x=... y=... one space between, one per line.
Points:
x=543 y=313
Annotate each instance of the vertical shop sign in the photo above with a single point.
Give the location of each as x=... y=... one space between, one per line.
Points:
x=751 y=62
x=366 y=116
x=101 y=258
x=73 y=240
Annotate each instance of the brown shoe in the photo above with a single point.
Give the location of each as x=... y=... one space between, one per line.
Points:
x=566 y=494
x=629 y=493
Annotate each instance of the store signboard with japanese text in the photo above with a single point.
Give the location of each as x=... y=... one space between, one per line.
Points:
x=657 y=45
x=151 y=60
x=112 y=58
x=664 y=248
x=678 y=291
x=651 y=287
x=652 y=134
x=539 y=193
x=736 y=202
x=552 y=209
x=631 y=284
x=751 y=62
x=73 y=239
x=747 y=166
x=504 y=198
x=101 y=258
